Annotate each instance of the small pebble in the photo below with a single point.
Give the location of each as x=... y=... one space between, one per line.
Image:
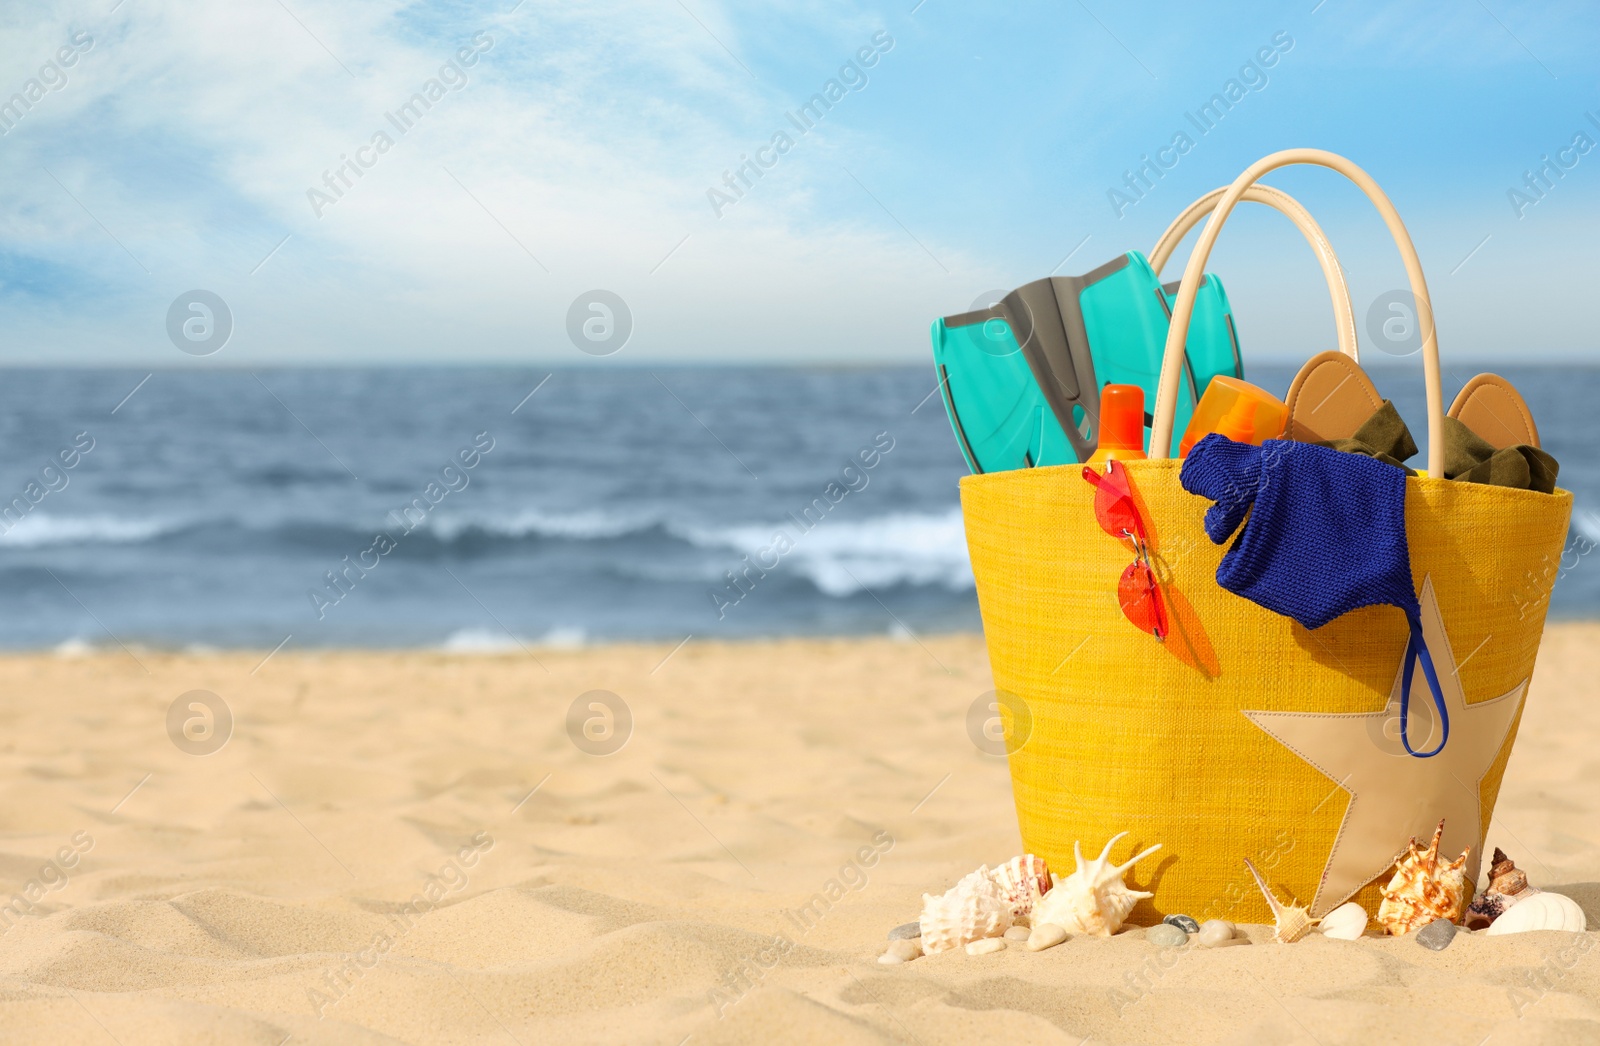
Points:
x=1017 y=933
x=905 y=932
x=1215 y=933
x=905 y=950
x=1045 y=935
x=985 y=946
x=1437 y=934
x=1166 y=935
x=890 y=959
x=1182 y=922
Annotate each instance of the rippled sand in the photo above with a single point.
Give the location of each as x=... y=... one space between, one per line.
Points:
x=412 y=848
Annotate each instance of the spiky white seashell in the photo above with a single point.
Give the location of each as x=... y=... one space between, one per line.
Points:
x=1346 y=922
x=1093 y=899
x=1290 y=922
x=1542 y=911
x=1022 y=881
x=971 y=910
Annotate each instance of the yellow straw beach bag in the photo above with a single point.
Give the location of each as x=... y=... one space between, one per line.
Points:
x=1244 y=734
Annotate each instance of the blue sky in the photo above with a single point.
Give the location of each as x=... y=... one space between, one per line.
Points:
x=178 y=149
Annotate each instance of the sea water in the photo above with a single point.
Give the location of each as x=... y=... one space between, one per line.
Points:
x=448 y=507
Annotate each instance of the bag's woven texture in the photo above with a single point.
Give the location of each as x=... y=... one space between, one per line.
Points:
x=1133 y=735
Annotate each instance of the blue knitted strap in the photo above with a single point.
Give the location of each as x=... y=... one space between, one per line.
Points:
x=1417 y=650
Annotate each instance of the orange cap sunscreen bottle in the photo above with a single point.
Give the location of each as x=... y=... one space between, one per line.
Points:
x=1121 y=424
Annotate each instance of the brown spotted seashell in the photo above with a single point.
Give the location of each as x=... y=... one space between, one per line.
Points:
x=1424 y=888
x=1507 y=885
x=1505 y=877
x=1483 y=911
x=1022 y=881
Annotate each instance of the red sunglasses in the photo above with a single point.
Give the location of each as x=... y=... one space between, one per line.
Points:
x=1118 y=515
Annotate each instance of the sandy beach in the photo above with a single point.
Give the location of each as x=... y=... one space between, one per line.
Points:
x=412 y=847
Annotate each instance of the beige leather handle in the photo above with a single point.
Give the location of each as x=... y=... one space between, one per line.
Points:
x=1194 y=272
x=1343 y=315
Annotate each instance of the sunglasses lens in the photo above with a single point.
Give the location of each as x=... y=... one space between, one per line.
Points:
x=1115 y=512
x=1114 y=508
x=1118 y=515
x=1141 y=603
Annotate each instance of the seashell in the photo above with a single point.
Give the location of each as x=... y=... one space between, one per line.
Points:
x=1291 y=923
x=1483 y=911
x=986 y=945
x=1423 y=888
x=971 y=910
x=1506 y=878
x=1346 y=922
x=1543 y=911
x=1022 y=881
x=1093 y=899
x=1507 y=885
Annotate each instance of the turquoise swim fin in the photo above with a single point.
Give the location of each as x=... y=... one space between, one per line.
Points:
x=1021 y=380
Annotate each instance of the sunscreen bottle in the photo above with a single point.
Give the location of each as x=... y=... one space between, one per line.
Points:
x=1121 y=425
x=1234 y=408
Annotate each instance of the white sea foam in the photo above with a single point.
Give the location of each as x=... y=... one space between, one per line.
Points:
x=589 y=525
x=563 y=638
x=906 y=548
x=479 y=641
x=40 y=529
x=837 y=556
x=496 y=641
x=841 y=556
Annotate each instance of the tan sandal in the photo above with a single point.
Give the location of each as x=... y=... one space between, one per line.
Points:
x=1329 y=399
x=1495 y=412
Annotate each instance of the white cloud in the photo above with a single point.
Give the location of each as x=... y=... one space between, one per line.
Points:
x=193 y=132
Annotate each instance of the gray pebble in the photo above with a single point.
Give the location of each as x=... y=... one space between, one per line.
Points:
x=1165 y=935
x=906 y=932
x=1437 y=934
x=1182 y=922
